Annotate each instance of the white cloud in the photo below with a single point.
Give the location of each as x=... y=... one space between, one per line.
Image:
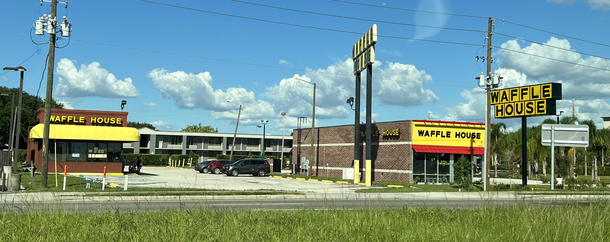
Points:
x=150 y=104
x=402 y=85
x=588 y=86
x=195 y=91
x=335 y=85
x=595 y=4
x=162 y=125
x=4 y=79
x=68 y=102
x=285 y=62
x=91 y=81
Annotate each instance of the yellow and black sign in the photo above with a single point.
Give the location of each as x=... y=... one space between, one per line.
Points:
x=534 y=100
x=458 y=134
x=363 y=52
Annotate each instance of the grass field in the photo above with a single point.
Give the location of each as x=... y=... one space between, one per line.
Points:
x=518 y=223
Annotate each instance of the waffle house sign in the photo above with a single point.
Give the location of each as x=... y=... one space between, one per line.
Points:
x=534 y=100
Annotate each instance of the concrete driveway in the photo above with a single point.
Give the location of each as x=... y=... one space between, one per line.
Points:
x=189 y=178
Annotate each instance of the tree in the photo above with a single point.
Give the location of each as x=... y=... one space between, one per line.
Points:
x=200 y=128
x=139 y=125
x=29 y=105
x=462 y=172
x=497 y=130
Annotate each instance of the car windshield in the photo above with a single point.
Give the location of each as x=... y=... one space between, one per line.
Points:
x=237 y=162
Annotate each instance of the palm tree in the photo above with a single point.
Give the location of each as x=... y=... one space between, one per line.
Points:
x=497 y=130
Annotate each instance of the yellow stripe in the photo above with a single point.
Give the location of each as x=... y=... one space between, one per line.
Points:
x=313 y=179
x=82 y=132
x=395 y=186
x=342 y=182
x=361 y=183
x=299 y=178
x=277 y=176
x=327 y=181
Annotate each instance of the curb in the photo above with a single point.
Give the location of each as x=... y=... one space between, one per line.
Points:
x=314 y=180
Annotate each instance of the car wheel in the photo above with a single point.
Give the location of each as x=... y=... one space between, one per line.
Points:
x=261 y=173
x=205 y=170
x=217 y=170
x=235 y=173
x=200 y=171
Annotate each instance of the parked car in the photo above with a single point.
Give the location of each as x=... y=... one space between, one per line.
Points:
x=203 y=167
x=217 y=165
x=256 y=167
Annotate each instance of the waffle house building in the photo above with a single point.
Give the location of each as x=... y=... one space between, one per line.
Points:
x=407 y=151
x=84 y=140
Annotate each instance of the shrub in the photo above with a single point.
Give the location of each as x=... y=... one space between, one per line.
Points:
x=462 y=172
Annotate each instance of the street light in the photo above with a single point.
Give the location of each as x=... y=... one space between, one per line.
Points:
x=123 y=104
x=12 y=122
x=18 y=120
x=264 y=122
x=560 y=112
x=284 y=129
x=234 y=134
x=350 y=101
x=258 y=126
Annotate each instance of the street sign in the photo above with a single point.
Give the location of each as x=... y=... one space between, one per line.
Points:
x=570 y=135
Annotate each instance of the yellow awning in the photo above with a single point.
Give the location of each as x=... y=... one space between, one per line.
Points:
x=82 y=132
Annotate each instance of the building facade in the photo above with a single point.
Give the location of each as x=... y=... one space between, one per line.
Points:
x=85 y=141
x=207 y=145
x=407 y=151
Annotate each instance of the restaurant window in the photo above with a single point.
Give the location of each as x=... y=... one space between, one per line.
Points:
x=77 y=151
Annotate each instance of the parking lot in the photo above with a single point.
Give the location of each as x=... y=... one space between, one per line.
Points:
x=190 y=178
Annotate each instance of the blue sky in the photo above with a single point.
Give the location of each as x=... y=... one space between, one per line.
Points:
x=178 y=66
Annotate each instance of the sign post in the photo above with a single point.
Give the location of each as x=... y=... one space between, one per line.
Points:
x=569 y=135
x=363 y=54
x=525 y=101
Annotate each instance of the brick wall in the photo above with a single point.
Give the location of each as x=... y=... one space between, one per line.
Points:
x=335 y=148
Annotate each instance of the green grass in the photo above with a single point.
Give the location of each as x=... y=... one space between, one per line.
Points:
x=514 y=223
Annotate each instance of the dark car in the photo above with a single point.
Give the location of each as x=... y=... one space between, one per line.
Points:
x=256 y=167
x=203 y=167
x=217 y=165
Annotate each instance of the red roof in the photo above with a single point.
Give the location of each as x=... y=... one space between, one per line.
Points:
x=446 y=122
x=449 y=149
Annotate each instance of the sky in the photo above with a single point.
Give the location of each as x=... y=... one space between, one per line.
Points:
x=179 y=62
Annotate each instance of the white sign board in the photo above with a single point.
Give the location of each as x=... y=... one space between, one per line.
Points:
x=570 y=135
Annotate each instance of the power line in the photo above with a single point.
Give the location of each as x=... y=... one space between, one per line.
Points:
x=354 y=18
x=412 y=10
x=553 y=59
x=302 y=26
x=555 y=47
x=549 y=32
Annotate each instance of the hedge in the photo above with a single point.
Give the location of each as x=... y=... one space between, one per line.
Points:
x=601 y=170
x=148 y=159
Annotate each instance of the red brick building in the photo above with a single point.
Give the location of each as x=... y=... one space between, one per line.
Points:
x=423 y=150
x=84 y=140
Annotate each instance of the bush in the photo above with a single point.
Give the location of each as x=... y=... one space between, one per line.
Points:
x=22 y=155
x=147 y=159
x=234 y=159
x=547 y=179
x=462 y=172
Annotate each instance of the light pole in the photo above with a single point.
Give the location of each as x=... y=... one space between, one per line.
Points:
x=123 y=104
x=284 y=129
x=313 y=126
x=560 y=112
x=12 y=123
x=234 y=134
x=264 y=122
x=18 y=120
x=258 y=126
x=488 y=82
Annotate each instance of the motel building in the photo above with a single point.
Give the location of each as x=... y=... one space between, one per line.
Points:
x=406 y=151
x=84 y=140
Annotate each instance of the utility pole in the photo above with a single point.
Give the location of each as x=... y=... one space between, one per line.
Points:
x=313 y=126
x=49 y=96
x=485 y=171
x=235 y=134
